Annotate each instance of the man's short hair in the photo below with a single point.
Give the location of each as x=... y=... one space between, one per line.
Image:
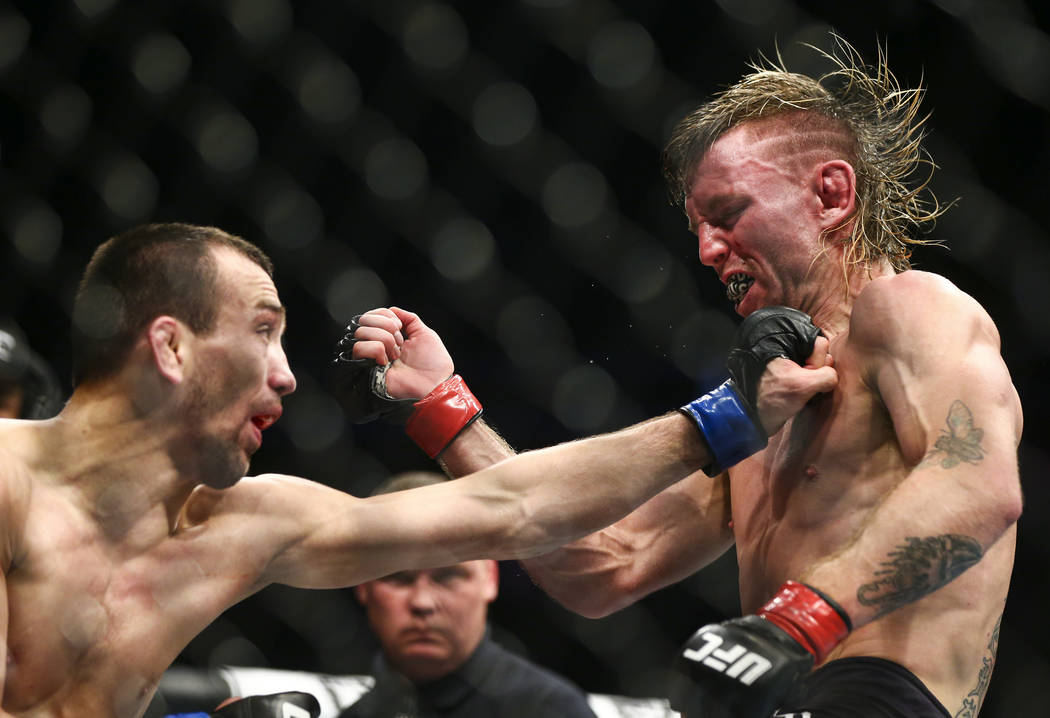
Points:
x=859 y=113
x=143 y=273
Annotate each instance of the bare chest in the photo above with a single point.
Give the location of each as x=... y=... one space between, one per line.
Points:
x=814 y=485
x=89 y=626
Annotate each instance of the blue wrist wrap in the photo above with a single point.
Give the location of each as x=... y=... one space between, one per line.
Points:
x=731 y=433
x=187 y=715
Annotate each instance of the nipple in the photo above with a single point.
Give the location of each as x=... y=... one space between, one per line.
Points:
x=811 y=472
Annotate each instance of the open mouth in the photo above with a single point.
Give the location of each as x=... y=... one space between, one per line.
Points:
x=737 y=286
x=264 y=421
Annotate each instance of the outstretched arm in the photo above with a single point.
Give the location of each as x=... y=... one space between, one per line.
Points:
x=317 y=537
x=669 y=537
x=297 y=532
x=958 y=420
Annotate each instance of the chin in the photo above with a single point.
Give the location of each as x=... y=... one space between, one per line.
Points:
x=222 y=464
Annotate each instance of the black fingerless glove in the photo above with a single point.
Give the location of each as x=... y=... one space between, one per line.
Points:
x=360 y=385
x=728 y=416
x=764 y=335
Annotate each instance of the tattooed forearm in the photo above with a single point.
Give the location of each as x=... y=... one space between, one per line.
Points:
x=960 y=442
x=919 y=567
x=972 y=702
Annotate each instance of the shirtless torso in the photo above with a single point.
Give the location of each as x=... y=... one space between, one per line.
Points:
x=817 y=486
x=122 y=599
x=109 y=569
x=842 y=489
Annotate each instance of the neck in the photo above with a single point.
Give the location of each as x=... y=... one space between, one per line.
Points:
x=120 y=463
x=831 y=304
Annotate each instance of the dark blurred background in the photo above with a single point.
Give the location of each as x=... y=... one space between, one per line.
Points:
x=495 y=167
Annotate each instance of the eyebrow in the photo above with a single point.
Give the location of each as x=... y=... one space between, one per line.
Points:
x=716 y=204
x=265 y=305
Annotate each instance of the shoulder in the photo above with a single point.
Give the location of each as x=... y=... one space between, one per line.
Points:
x=913 y=305
x=16 y=488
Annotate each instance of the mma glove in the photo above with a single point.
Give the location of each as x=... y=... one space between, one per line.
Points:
x=432 y=422
x=292 y=704
x=744 y=667
x=728 y=416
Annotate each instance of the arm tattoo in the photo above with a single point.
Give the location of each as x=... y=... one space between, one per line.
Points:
x=960 y=442
x=919 y=567
x=972 y=702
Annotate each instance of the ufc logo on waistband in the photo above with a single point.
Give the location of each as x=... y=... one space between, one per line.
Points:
x=290 y=711
x=733 y=660
x=803 y=714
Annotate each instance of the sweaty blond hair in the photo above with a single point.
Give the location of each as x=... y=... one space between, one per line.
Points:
x=857 y=112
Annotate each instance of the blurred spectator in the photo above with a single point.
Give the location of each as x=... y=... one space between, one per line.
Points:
x=437 y=657
x=28 y=388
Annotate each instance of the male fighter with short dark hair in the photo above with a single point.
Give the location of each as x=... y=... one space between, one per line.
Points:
x=126 y=527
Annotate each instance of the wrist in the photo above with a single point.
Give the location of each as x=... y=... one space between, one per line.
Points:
x=731 y=431
x=809 y=617
x=441 y=415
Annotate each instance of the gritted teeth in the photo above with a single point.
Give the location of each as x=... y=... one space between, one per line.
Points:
x=737 y=286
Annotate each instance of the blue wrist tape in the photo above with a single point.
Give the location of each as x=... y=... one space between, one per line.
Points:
x=188 y=715
x=731 y=433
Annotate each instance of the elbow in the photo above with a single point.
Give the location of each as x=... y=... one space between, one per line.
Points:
x=1012 y=507
x=599 y=604
x=1006 y=506
x=601 y=601
x=590 y=594
x=594 y=604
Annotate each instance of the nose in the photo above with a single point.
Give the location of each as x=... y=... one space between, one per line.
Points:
x=421 y=598
x=281 y=378
x=713 y=246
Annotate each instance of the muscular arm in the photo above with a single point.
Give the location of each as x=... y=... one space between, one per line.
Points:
x=958 y=421
x=678 y=531
x=521 y=507
x=669 y=537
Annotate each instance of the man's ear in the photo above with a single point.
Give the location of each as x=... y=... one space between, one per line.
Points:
x=167 y=342
x=837 y=190
x=362 y=593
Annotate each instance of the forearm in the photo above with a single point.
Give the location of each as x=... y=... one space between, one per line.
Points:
x=568 y=491
x=670 y=537
x=477 y=447
x=904 y=554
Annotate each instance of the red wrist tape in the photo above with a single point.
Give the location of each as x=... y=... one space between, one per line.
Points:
x=442 y=414
x=808 y=617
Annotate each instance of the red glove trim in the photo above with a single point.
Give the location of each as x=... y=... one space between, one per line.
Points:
x=809 y=618
x=441 y=415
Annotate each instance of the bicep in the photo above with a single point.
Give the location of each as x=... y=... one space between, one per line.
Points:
x=949 y=394
x=324 y=538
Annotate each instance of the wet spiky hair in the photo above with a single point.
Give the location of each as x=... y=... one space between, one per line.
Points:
x=860 y=112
